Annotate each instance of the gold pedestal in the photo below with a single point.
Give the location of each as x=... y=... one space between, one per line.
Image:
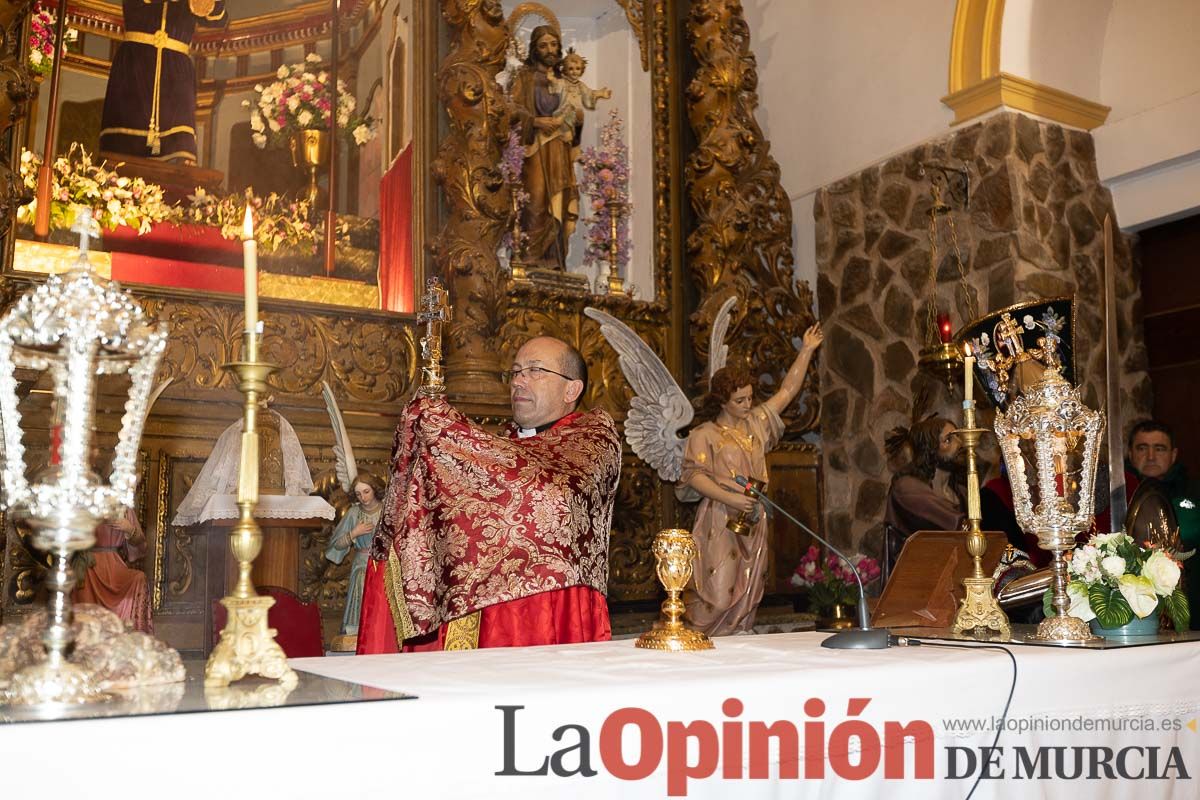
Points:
x=247 y=645
x=519 y=275
x=674 y=550
x=979 y=610
x=616 y=285
x=344 y=643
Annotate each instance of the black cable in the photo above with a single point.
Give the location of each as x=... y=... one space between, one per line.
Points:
x=907 y=641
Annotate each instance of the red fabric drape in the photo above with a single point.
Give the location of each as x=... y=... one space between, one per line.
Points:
x=395 y=235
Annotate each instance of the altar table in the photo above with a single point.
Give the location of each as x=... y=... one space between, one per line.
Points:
x=451 y=741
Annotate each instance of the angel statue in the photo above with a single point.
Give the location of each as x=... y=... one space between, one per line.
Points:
x=357 y=526
x=730 y=570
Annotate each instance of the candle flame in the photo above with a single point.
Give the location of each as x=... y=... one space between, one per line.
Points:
x=967 y=349
x=248 y=226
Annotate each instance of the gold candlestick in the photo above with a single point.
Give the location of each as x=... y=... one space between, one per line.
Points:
x=979 y=609
x=247 y=645
x=674 y=550
x=615 y=284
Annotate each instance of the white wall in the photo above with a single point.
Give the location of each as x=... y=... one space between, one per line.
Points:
x=844 y=85
x=1057 y=43
x=1149 y=149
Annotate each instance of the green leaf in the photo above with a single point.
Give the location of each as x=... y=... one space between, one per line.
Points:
x=1176 y=606
x=1048 y=603
x=1110 y=606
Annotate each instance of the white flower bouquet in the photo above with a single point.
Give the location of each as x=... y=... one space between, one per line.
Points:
x=1114 y=579
x=299 y=99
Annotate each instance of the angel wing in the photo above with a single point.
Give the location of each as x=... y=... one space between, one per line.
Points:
x=343 y=452
x=659 y=408
x=158 y=390
x=718 y=351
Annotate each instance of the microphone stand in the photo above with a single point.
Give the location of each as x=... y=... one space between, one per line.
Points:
x=864 y=637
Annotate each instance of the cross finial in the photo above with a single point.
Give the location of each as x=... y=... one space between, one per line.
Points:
x=87 y=228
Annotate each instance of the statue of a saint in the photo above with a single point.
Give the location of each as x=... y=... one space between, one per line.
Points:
x=150 y=102
x=549 y=216
x=576 y=96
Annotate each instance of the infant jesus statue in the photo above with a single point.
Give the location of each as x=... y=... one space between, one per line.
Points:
x=575 y=94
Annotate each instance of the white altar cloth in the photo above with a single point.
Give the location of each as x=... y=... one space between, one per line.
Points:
x=451 y=741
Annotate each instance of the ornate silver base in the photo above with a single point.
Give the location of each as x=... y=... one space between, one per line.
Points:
x=558 y=281
x=64 y=684
x=1064 y=630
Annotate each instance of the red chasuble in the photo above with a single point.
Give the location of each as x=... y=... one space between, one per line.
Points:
x=516 y=529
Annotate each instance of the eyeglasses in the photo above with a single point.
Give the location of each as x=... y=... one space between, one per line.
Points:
x=532 y=372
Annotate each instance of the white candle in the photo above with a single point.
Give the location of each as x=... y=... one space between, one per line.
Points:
x=968 y=377
x=250 y=271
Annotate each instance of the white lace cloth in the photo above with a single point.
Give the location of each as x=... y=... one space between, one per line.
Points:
x=270 y=506
x=220 y=474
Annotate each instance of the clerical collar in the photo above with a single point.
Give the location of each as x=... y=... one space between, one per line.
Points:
x=525 y=433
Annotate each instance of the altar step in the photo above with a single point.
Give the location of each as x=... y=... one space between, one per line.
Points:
x=770 y=619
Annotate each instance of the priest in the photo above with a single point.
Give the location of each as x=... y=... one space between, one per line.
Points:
x=490 y=541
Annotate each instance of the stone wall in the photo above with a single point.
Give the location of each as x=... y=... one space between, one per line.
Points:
x=1033 y=228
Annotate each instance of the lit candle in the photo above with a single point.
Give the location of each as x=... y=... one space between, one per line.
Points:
x=968 y=377
x=945 y=331
x=250 y=272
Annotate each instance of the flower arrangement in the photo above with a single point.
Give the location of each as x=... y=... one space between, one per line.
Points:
x=299 y=99
x=41 y=40
x=79 y=182
x=1114 y=579
x=830 y=581
x=116 y=200
x=512 y=165
x=606 y=183
x=279 y=223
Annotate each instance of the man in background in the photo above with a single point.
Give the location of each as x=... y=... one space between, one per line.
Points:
x=1153 y=456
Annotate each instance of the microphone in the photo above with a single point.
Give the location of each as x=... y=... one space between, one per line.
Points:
x=864 y=637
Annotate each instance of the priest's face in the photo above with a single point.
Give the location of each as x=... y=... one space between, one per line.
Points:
x=539 y=393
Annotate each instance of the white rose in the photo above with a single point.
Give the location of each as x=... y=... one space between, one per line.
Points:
x=35 y=57
x=304 y=118
x=1139 y=593
x=1162 y=572
x=1113 y=566
x=256 y=123
x=274 y=126
x=1108 y=541
x=114 y=206
x=362 y=135
x=258 y=87
x=312 y=58
x=293 y=103
x=259 y=139
x=282 y=72
x=1080 y=607
x=1083 y=558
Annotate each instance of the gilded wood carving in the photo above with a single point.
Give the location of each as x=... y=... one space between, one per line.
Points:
x=476 y=199
x=741 y=243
